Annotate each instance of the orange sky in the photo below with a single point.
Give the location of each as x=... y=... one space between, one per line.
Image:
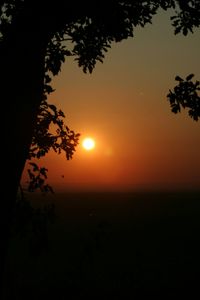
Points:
x=123 y=106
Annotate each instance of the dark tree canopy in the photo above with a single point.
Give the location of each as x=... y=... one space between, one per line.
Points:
x=91 y=26
x=86 y=29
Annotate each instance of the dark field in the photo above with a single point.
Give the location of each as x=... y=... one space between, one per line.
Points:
x=111 y=246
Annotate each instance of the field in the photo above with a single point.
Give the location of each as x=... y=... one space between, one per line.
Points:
x=110 y=246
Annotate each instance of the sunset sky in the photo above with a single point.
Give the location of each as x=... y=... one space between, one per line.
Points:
x=140 y=143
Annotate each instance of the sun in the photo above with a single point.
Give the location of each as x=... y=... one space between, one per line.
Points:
x=88 y=144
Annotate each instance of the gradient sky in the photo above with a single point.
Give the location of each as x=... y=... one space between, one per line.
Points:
x=140 y=143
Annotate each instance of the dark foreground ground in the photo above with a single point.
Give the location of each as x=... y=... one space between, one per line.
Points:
x=111 y=246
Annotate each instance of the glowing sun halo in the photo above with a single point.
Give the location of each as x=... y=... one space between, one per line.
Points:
x=88 y=144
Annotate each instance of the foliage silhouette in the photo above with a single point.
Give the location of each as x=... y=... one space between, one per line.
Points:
x=186 y=95
x=61 y=140
x=35 y=39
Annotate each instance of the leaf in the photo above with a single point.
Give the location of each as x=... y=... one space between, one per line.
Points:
x=53 y=107
x=178 y=78
x=43 y=171
x=47 y=79
x=189 y=77
x=177 y=30
x=185 y=31
x=35 y=166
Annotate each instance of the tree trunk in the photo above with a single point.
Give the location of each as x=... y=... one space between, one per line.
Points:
x=22 y=73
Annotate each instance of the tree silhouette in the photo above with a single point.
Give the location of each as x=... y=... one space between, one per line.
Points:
x=36 y=37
